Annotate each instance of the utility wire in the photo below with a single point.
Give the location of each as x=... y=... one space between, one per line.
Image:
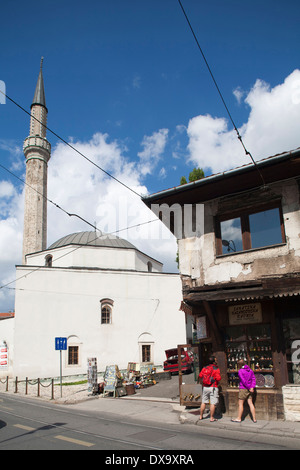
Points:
x=46 y=198
x=68 y=213
x=71 y=146
x=221 y=96
x=77 y=248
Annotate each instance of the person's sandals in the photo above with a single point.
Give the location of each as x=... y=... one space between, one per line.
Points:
x=236 y=421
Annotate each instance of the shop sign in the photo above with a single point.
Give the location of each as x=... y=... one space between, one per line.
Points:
x=110 y=378
x=3 y=355
x=245 y=313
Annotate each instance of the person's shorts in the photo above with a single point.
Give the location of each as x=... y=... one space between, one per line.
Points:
x=210 y=395
x=244 y=394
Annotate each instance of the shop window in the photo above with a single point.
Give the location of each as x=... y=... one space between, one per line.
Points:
x=73 y=355
x=291 y=331
x=252 y=343
x=249 y=229
x=106 y=311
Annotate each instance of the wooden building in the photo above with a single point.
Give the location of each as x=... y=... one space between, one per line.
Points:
x=239 y=260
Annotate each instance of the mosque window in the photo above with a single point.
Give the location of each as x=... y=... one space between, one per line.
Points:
x=146 y=353
x=48 y=261
x=106 y=311
x=73 y=355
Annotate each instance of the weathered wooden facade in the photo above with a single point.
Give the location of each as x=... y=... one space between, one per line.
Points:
x=240 y=268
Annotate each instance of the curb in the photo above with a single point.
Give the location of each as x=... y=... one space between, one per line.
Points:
x=242 y=427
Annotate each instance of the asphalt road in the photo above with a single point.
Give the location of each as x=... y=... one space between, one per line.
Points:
x=27 y=424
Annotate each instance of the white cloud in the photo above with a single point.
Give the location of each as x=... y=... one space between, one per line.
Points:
x=154 y=146
x=162 y=173
x=238 y=93
x=83 y=189
x=6 y=189
x=272 y=127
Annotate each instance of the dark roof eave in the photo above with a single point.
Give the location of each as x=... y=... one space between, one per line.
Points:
x=200 y=184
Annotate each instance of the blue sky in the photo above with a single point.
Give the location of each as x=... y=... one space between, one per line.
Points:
x=126 y=84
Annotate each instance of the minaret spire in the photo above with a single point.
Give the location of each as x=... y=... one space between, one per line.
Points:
x=37 y=153
x=39 y=94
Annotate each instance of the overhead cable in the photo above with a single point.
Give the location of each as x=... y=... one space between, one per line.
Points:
x=221 y=96
x=71 y=146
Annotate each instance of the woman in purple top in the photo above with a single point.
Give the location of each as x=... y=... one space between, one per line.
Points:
x=247 y=385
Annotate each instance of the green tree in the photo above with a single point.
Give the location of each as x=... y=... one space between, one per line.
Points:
x=195 y=175
x=183 y=180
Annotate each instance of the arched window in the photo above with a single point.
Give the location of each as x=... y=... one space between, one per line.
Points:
x=146 y=348
x=149 y=264
x=73 y=358
x=106 y=311
x=48 y=261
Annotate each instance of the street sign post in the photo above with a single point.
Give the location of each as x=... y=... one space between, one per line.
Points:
x=60 y=345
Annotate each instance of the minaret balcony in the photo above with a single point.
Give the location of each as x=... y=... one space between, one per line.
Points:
x=38 y=142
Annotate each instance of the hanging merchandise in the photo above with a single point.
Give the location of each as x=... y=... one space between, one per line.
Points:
x=92 y=375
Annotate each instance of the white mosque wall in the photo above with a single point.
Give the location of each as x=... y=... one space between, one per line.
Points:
x=88 y=256
x=60 y=302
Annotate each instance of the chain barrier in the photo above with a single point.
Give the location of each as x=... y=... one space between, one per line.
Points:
x=16 y=383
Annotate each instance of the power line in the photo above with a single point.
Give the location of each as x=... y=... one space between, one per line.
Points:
x=77 y=248
x=46 y=198
x=71 y=146
x=221 y=96
x=68 y=213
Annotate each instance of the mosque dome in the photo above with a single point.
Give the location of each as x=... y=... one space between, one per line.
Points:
x=92 y=238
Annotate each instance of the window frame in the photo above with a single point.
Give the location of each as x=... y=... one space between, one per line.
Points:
x=106 y=304
x=48 y=261
x=243 y=215
x=146 y=352
x=106 y=317
x=75 y=352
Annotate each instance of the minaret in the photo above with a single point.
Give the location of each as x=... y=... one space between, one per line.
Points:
x=37 y=153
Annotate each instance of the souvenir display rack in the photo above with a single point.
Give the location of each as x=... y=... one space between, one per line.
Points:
x=252 y=343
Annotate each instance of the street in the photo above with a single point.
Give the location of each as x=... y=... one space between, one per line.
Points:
x=28 y=424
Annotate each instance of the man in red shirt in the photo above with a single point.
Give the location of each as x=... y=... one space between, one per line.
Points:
x=210 y=376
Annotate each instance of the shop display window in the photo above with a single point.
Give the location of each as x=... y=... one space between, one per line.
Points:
x=252 y=343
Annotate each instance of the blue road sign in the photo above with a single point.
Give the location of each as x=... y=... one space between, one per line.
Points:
x=60 y=344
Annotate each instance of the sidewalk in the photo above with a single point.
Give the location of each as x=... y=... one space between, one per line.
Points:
x=191 y=416
x=167 y=392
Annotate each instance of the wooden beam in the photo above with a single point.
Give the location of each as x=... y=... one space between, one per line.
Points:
x=212 y=321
